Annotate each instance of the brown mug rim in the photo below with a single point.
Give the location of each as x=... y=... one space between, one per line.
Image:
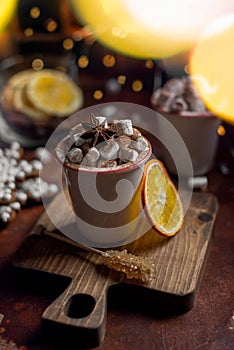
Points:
x=186 y=114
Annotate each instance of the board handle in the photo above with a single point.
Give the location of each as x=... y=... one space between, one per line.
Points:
x=78 y=313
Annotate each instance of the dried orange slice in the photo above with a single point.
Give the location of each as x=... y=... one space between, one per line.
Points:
x=13 y=83
x=162 y=202
x=54 y=93
x=22 y=104
x=14 y=95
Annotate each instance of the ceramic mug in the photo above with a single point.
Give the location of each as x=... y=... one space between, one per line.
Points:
x=200 y=137
x=107 y=201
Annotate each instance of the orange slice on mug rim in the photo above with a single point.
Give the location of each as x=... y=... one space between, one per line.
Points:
x=161 y=199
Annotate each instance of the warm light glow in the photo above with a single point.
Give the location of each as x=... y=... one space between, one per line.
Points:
x=108 y=61
x=37 y=64
x=51 y=25
x=7 y=9
x=28 y=32
x=221 y=130
x=149 y=64
x=83 y=61
x=98 y=94
x=35 y=12
x=121 y=79
x=137 y=85
x=68 y=44
x=149 y=28
x=211 y=67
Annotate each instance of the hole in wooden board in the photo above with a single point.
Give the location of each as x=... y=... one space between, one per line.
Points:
x=79 y=306
x=205 y=217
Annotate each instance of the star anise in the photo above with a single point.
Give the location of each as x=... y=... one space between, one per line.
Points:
x=96 y=131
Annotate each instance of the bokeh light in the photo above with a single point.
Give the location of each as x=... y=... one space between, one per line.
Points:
x=6 y=12
x=149 y=28
x=211 y=67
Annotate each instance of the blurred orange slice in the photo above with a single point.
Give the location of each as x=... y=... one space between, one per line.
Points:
x=14 y=96
x=162 y=202
x=54 y=93
x=21 y=103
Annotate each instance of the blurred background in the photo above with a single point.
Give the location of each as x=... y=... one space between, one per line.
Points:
x=120 y=51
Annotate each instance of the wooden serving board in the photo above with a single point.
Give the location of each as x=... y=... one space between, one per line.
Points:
x=82 y=306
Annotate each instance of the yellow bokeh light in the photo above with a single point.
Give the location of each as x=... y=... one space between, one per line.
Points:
x=98 y=94
x=51 y=25
x=28 y=32
x=68 y=44
x=83 y=61
x=6 y=12
x=149 y=64
x=121 y=79
x=149 y=28
x=221 y=130
x=37 y=64
x=35 y=12
x=137 y=85
x=108 y=61
x=211 y=67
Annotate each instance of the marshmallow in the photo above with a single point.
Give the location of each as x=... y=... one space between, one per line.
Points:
x=179 y=105
x=20 y=175
x=128 y=154
x=37 y=165
x=5 y=208
x=102 y=121
x=109 y=150
x=15 y=206
x=6 y=196
x=124 y=127
x=21 y=196
x=136 y=134
x=75 y=155
x=11 y=185
x=77 y=129
x=75 y=135
x=52 y=188
x=175 y=85
x=12 y=153
x=178 y=95
x=163 y=99
x=37 y=187
x=43 y=154
x=196 y=104
x=123 y=141
x=5 y=213
x=113 y=125
x=27 y=168
x=92 y=155
x=140 y=144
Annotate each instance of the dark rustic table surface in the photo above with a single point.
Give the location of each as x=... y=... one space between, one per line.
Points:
x=208 y=325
